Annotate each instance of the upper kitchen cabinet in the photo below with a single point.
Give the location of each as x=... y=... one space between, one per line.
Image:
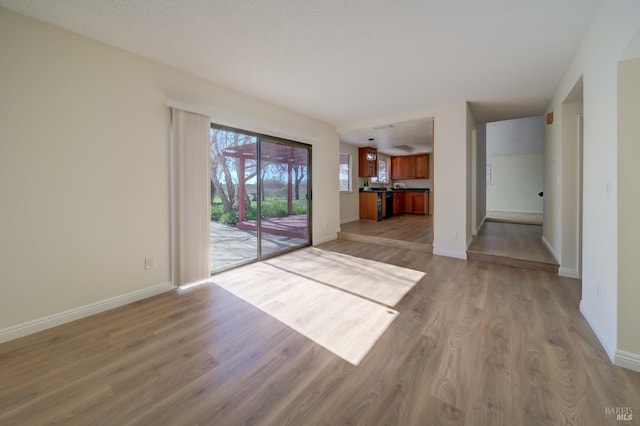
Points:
x=421 y=168
x=367 y=162
x=410 y=167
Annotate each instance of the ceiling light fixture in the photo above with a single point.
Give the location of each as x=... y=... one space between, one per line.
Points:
x=371 y=154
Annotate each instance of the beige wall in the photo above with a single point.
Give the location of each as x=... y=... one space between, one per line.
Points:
x=84 y=175
x=628 y=206
x=517 y=180
x=452 y=197
x=597 y=62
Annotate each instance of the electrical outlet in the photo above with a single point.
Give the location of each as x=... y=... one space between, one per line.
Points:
x=454 y=235
x=598 y=289
x=149 y=262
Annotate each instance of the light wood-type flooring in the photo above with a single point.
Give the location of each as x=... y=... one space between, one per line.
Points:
x=413 y=232
x=512 y=244
x=514 y=217
x=474 y=343
x=497 y=242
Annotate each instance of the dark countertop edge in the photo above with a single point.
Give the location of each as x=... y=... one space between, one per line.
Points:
x=397 y=190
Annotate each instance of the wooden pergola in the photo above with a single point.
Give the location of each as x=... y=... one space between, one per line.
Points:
x=269 y=152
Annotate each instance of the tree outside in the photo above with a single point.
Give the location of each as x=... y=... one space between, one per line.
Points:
x=226 y=149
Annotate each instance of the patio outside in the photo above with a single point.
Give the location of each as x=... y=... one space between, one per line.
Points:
x=235 y=195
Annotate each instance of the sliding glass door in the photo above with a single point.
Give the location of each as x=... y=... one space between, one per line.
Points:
x=260 y=196
x=232 y=157
x=284 y=206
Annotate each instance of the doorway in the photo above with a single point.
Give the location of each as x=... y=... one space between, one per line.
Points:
x=260 y=196
x=571 y=186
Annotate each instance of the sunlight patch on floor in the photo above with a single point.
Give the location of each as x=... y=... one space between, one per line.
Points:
x=340 y=302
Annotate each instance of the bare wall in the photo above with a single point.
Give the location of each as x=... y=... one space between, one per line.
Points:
x=84 y=167
x=597 y=62
x=515 y=152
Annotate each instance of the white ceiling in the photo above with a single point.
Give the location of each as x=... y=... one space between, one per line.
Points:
x=403 y=138
x=347 y=61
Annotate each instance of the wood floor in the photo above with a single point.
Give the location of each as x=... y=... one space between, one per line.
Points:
x=474 y=343
x=512 y=244
x=504 y=243
x=514 y=217
x=408 y=231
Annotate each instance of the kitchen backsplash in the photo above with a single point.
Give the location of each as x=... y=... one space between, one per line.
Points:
x=409 y=183
x=413 y=183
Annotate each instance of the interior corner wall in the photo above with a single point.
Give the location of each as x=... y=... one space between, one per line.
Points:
x=481 y=177
x=451 y=139
x=350 y=201
x=596 y=60
x=552 y=206
x=569 y=188
x=84 y=167
x=628 y=208
x=470 y=130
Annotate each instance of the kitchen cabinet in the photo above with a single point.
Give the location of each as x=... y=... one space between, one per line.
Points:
x=367 y=162
x=407 y=202
x=418 y=202
x=372 y=205
x=421 y=166
x=375 y=205
x=410 y=167
x=398 y=203
x=411 y=202
x=395 y=168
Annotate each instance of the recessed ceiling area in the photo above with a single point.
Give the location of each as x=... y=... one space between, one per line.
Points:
x=402 y=138
x=344 y=62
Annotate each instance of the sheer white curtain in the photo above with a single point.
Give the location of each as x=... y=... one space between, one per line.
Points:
x=191 y=196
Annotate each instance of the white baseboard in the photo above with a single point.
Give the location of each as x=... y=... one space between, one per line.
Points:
x=477 y=231
x=349 y=219
x=569 y=273
x=610 y=353
x=324 y=239
x=553 y=253
x=50 y=321
x=514 y=211
x=627 y=360
x=450 y=253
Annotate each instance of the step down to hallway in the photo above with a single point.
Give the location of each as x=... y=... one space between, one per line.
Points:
x=386 y=242
x=512 y=261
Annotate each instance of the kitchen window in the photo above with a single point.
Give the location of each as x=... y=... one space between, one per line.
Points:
x=383 y=175
x=345 y=172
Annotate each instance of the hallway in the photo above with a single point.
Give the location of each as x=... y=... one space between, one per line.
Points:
x=512 y=244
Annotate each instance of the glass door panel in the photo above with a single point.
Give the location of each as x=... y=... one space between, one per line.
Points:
x=234 y=188
x=284 y=195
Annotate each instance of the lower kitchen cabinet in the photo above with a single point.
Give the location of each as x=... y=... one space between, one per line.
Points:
x=411 y=202
x=373 y=205
x=398 y=203
x=418 y=203
x=370 y=208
